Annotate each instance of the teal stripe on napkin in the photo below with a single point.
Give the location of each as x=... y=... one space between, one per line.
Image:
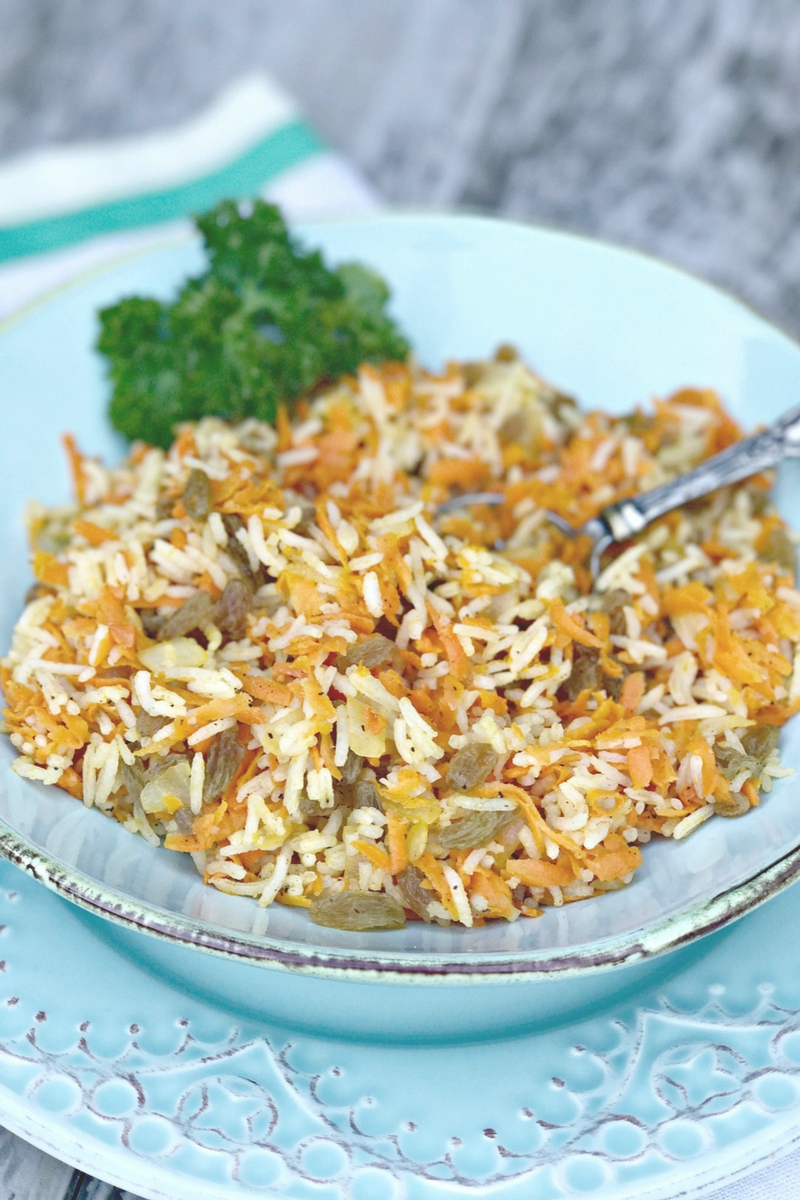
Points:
x=244 y=176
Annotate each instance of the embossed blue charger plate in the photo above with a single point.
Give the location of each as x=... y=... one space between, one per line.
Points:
x=665 y=1092
x=175 y=1072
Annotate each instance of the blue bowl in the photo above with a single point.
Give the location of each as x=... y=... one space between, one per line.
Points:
x=611 y=327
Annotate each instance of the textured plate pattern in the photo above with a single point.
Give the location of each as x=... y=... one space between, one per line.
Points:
x=161 y=1092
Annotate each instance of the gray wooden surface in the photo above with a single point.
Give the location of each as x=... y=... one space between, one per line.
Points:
x=669 y=125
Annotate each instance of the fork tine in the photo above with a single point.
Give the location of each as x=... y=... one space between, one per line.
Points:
x=562 y=524
x=596 y=529
x=470 y=498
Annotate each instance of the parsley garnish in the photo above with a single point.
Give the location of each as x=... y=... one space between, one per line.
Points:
x=267 y=322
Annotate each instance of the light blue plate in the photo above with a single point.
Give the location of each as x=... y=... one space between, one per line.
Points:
x=115 y=1069
x=610 y=326
x=153 y=1065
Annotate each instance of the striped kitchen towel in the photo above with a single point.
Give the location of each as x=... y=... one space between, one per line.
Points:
x=68 y=209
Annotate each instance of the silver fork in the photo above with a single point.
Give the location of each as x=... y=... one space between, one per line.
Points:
x=628 y=517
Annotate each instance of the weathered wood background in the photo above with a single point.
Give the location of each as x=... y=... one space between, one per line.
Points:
x=669 y=125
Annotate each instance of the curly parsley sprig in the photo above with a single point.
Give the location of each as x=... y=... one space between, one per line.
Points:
x=267 y=323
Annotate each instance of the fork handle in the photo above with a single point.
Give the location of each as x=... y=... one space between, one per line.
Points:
x=745 y=458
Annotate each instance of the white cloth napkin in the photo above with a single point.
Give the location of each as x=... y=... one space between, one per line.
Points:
x=780 y=1180
x=66 y=211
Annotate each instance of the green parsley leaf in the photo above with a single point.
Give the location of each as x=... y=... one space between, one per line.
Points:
x=267 y=322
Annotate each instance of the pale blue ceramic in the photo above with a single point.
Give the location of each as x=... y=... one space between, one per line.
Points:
x=110 y=1065
x=613 y=328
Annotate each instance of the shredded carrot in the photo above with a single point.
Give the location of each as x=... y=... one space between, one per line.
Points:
x=614 y=858
x=94 y=534
x=109 y=610
x=542 y=872
x=571 y=626
x=495 y=890
x=378 y=857
x=466 y=473
x=433 y=872
x=76 y=467
x=750 y=790
x=459 y=663
x=640 y=766
x=48 y=569
x=268 y=690
x=397 y=829
x=632 y=692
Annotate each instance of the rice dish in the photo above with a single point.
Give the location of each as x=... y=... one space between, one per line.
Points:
x=267 y=649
